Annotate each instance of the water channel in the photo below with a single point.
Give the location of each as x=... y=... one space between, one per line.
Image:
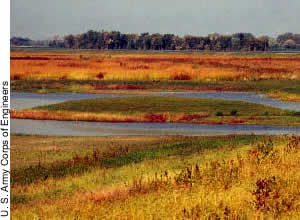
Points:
x=69 y=128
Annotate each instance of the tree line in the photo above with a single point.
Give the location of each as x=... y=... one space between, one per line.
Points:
x=145 y=41
x=115 y=40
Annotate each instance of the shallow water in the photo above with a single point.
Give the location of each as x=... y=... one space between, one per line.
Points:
x=29 y=100
x=67 y=128
x=71 y=128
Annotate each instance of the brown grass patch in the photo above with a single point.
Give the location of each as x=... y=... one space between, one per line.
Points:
x=191 y=117
x=73 y=65
x=119 y=87
x=181 y=76
x=29 y=58
x=236 y=121
x=106 y=195
x=156 y=117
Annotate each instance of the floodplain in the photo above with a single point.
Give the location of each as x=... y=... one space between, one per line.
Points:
x=155 y=176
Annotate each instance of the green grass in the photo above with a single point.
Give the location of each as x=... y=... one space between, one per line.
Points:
x=115 y=157
x=31 y=150
x=129 y=105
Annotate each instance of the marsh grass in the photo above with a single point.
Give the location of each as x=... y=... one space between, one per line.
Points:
x=269 y=197
x=151 y=66
x=161 y=110
x=94 y=71
x=199 y=177
x=280 y=89
x=154 y=104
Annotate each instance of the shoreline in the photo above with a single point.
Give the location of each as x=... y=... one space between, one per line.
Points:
x=126 y=89
x=156 y=118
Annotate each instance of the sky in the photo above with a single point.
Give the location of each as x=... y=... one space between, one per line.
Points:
x=41 y=19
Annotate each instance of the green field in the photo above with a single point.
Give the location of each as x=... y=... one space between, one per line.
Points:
x=152 y=104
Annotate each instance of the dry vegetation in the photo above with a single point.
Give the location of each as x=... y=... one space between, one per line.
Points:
x=232 y=177
x=42 y=71
x=197 y=118
x=139 y=66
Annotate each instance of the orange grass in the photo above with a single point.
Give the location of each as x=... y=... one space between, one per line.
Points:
x=194 y=67
x=106 y=117
x=285 y=96
x=197 y=118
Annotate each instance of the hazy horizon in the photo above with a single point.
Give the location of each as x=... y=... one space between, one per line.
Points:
x=43 y=19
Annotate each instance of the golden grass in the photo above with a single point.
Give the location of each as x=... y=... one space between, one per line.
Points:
x=245 y=182
x=106 y=117
x=72 y=116
x=285 y=96
x=100 y=66
x=197 y=118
